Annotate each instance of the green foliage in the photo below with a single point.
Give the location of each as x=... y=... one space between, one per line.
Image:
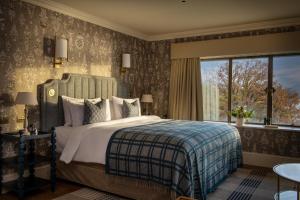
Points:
x=242 y=112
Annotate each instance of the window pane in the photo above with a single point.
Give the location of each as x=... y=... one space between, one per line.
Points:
x=286 y=81
x=215 y=89
x=249 y=81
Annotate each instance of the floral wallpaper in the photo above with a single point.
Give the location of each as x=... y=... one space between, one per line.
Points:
x=271 y=141
x=26 y=51
x=27 y=33
x=157 y=75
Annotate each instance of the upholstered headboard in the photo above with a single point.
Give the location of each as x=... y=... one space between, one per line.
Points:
x=73 y=85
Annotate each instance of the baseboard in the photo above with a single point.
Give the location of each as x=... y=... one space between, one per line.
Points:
x=267 y=160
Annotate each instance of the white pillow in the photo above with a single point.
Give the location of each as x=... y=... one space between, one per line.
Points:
x=118 y=106
x=76 y=109
x=67 y=114
x=77 y=113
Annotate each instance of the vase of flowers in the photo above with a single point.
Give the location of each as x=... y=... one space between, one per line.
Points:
x=241 y=113
x=240 y=121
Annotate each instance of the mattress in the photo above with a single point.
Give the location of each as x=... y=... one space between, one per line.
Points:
x=88 y=143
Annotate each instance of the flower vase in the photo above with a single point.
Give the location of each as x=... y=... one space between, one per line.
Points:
x=240 y=121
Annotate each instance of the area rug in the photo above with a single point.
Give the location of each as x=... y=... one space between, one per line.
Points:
x=244 y=184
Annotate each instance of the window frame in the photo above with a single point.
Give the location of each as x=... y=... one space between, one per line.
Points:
x=229 y=94
x=269 y=88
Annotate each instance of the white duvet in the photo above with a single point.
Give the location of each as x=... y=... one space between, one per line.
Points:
x=88 y=143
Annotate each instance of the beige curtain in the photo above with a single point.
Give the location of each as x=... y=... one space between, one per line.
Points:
x=185 y=100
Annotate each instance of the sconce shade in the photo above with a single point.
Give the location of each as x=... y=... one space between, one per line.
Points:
x=61 y=48
x=147 y=98
x=126 y=60
x=26 y=98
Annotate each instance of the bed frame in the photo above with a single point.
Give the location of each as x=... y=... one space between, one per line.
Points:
x=92 y=175
x=77 y=86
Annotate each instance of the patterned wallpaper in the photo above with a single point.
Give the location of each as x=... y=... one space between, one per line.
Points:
x=26 y=44
x=271 y=141
x=157 y=75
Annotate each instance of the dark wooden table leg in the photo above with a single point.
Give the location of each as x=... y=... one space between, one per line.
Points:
x=1 y=173
x=53 y=159
x=31 y=159
x=21 y=161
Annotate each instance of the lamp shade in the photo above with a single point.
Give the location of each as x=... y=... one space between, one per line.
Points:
x=126 y=60
x=26 y=98
x=147 y=98
x=61 y=48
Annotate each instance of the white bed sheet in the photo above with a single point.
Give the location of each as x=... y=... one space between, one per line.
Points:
x=88 y=143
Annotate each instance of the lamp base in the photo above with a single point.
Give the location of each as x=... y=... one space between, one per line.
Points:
x=25 y=125
x=26 y=132
x=147 y=109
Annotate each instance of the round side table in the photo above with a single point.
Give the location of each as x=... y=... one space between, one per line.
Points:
x=291 y=172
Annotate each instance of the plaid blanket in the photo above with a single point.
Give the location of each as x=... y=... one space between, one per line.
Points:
x=190 y=157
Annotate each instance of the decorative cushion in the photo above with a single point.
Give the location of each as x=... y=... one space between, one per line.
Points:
x=117 y=111
x=94 y=113
x=130 y=109
x=74 y=110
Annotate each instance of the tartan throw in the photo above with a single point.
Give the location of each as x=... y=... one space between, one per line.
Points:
x=190 y=157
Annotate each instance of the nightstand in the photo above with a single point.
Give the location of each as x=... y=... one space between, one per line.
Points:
x=23 y=161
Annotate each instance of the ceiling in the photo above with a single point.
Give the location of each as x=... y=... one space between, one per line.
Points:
x=155 y=18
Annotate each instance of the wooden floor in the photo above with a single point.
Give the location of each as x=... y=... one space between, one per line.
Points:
x=62 y=188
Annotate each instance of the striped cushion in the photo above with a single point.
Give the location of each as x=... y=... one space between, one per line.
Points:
x=130 y=109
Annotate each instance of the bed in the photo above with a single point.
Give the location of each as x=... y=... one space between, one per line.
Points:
x=139 y=157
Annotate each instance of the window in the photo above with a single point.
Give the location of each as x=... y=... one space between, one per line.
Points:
x=286 y=97
x=269 y=85
x=215 y=89
x=249 y=81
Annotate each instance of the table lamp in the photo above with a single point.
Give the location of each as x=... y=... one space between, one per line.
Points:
x=147 y=98
x=26 y=98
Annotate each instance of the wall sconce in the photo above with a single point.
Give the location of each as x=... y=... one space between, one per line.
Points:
x=61 y=51
x=125 y=62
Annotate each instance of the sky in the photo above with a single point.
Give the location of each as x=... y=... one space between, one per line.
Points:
x=210 y=68
x=286 y=70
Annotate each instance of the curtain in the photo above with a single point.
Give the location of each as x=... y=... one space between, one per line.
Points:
x=185 y=99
